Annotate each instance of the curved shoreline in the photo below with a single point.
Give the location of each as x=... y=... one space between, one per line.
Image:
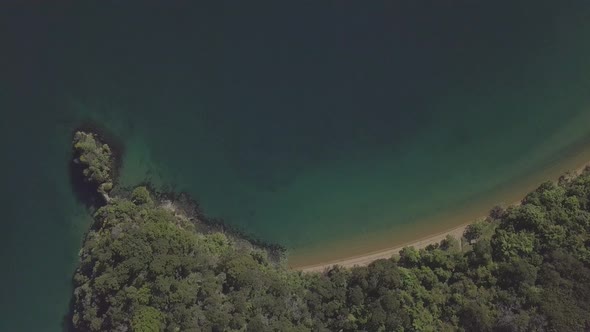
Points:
x=364 y=259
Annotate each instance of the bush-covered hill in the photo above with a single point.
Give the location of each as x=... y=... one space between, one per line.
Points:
x=145 y=268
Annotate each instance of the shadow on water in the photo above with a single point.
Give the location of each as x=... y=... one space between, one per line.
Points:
x=86 y=192
x=66 y=322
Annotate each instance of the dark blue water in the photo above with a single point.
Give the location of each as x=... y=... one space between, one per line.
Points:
x=300 y=124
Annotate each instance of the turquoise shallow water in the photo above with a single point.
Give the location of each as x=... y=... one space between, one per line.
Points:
x=296 y=124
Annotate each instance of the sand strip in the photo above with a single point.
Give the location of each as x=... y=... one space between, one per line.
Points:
x=365 y=259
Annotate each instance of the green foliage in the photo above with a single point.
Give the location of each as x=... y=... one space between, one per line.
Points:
x=218 y=243
x=409 y=257
x=474 y=231
x=509 y=244
x=141 y=269
x=147 y=319
x=96 y=159
x=140 y=196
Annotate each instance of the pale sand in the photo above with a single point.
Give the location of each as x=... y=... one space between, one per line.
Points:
x=365 y=259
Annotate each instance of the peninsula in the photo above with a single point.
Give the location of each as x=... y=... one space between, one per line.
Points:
x=147 y=265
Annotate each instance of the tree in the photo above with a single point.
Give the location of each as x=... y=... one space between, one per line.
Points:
x=475 y=316
x=409 y=257
x=508 y=244
x=474 y=231
x=141 y=196
x=96 y=159
x=147 y=319
x=144 y=268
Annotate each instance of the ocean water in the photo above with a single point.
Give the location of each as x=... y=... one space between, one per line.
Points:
x=301 y=125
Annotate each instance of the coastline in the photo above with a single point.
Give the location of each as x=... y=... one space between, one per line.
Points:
x=374 y=248
x=365 y=259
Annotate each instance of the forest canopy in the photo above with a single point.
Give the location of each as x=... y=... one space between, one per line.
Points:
x=95 y=159
x=145 y=267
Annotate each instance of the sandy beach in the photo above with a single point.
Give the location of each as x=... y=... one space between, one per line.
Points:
x=456 y=232
x=365 y=259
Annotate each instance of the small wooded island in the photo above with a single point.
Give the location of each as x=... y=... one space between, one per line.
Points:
x=148 y=265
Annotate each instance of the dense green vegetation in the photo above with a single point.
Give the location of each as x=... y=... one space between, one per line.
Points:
x=96 y=159
x=145 y=268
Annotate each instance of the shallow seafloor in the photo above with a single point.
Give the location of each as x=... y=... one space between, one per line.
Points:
x=310 y=126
